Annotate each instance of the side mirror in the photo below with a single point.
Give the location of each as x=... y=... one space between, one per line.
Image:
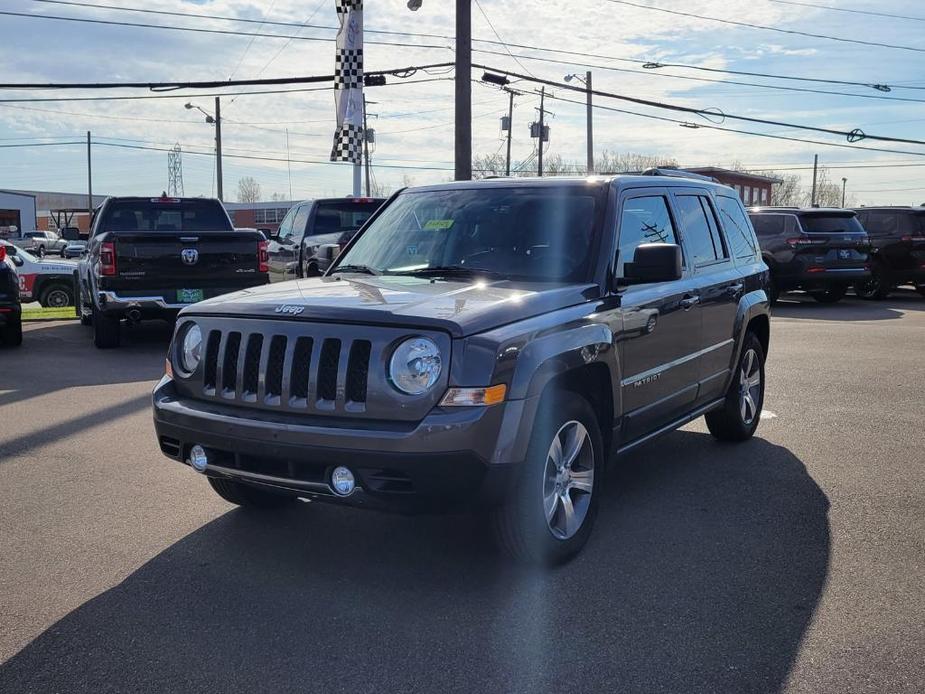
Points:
x=70 y=234
x=272 y=234
x=328 y=251
x=17 y=261
x=653 y=262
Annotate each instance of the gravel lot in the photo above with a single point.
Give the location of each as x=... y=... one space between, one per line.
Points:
x=795 y=562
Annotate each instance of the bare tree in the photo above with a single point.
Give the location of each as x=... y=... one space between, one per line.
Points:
x=621 y=162
x=485 y=165
x=278 y=197
x=248 y=189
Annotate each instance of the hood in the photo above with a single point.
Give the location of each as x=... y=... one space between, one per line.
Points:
x=460 y=308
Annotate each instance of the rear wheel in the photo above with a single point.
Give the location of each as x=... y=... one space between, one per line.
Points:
x=40 y=252
x=106 y=334
x=550 y=516
x=874 y=287
x=11 y=333
x=740 y=414
x=57 y=296
x=830 y=295
x=247 y=496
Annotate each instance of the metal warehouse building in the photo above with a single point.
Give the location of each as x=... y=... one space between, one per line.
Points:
x=16 y=210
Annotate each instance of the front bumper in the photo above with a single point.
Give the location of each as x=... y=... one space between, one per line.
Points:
x=452 y=459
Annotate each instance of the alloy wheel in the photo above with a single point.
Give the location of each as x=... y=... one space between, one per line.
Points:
x=568 y=480
x=749 y=386
x=57 y=298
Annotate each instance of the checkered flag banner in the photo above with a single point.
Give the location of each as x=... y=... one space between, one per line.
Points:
x=348 y=82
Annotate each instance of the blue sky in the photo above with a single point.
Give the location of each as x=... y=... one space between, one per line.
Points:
x=414 y=124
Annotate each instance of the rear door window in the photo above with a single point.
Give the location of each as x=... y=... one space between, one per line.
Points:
x=644 y=220
x=739 y=234
x=698 y=230
x=342 y=216
x=881 y=223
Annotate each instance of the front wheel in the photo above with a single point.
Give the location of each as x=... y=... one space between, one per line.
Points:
x=874 y=288
x=550 y=515
x=247 y=496
x=740 y=414
x=830 y=295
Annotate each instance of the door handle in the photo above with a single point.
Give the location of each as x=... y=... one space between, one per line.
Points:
x=735 y=289
x=688 y=302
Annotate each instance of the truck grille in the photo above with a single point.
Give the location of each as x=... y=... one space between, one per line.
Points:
x=301 y=373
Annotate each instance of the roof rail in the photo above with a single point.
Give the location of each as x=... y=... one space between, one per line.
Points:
x=676 y=173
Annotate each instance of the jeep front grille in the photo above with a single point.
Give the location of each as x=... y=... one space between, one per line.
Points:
x=274 y=370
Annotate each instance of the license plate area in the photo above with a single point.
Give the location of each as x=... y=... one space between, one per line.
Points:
x=189 y=296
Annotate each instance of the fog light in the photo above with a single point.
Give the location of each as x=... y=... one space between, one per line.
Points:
x=343 y=481
x=198 y=458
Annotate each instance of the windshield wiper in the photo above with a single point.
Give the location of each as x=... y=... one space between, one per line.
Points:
x=449 y=271
x=362 y=269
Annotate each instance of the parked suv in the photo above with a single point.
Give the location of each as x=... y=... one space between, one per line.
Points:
x=10 y=307
x=820 y=250
x=313 y=233
x=480 y=343
x=897 y=235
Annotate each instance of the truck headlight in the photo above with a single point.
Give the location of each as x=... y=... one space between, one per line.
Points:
x=415 y=365
x=191 y=348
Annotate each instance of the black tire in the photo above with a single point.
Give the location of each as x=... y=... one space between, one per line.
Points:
x=831 y=295
x=106 y=330
x=773 y=290
x=11 y=333
x=247 y=496
x=40 y=252
x=521 y=526
x=875 y=287
x=57 y=295
x=728 y=423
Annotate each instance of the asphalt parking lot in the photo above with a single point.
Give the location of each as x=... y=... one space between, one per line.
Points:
x=795 y=562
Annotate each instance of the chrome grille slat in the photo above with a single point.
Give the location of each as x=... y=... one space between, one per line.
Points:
x=303 y=367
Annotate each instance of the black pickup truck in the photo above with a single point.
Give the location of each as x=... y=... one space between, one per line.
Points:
x=150 y=257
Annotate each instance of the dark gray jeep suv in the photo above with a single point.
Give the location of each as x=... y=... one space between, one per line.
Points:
x=480 y=344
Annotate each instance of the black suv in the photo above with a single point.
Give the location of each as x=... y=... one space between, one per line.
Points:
x=480 y=343
x=820 y=250
x=897 y=235
x=10 y=308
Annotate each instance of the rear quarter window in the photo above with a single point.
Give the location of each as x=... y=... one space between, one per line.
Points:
x=740 y=236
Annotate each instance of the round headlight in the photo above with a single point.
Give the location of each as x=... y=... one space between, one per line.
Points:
x=191 y=349
x=415 y=365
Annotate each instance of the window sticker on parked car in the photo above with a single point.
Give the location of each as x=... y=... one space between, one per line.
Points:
x=438 y=224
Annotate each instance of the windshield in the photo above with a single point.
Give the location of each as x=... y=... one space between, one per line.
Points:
x=535 y=233
x=831 y=223
x=341 y=216
x=155 y=215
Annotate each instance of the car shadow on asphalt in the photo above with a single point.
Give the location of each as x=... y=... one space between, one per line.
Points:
x=851 y=308
x=61 y=355
x=703 y=573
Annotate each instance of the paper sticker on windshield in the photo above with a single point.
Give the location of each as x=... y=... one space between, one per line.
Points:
x=438 y=224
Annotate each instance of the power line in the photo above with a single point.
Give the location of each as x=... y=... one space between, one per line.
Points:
x=505 y=44
x=792 y=32
x=700 y=79
x=870 y=13
x=198 y=96
x=224 y=32
x=498 y=36
x=688 y=124
x=853 y=136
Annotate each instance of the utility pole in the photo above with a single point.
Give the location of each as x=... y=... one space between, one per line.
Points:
x=463 y=90
x=815 y=174
x=218 y=148
x=539 y=165
x=510 y=130
x=89 y=182
x=844 y=185
x=366 y=145
x=590 y=125
x=289 y=163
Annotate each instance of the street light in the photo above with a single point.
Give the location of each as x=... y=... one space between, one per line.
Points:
x=586 y=80
x=217 y=122
x=844 y=184
x=414 y=5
